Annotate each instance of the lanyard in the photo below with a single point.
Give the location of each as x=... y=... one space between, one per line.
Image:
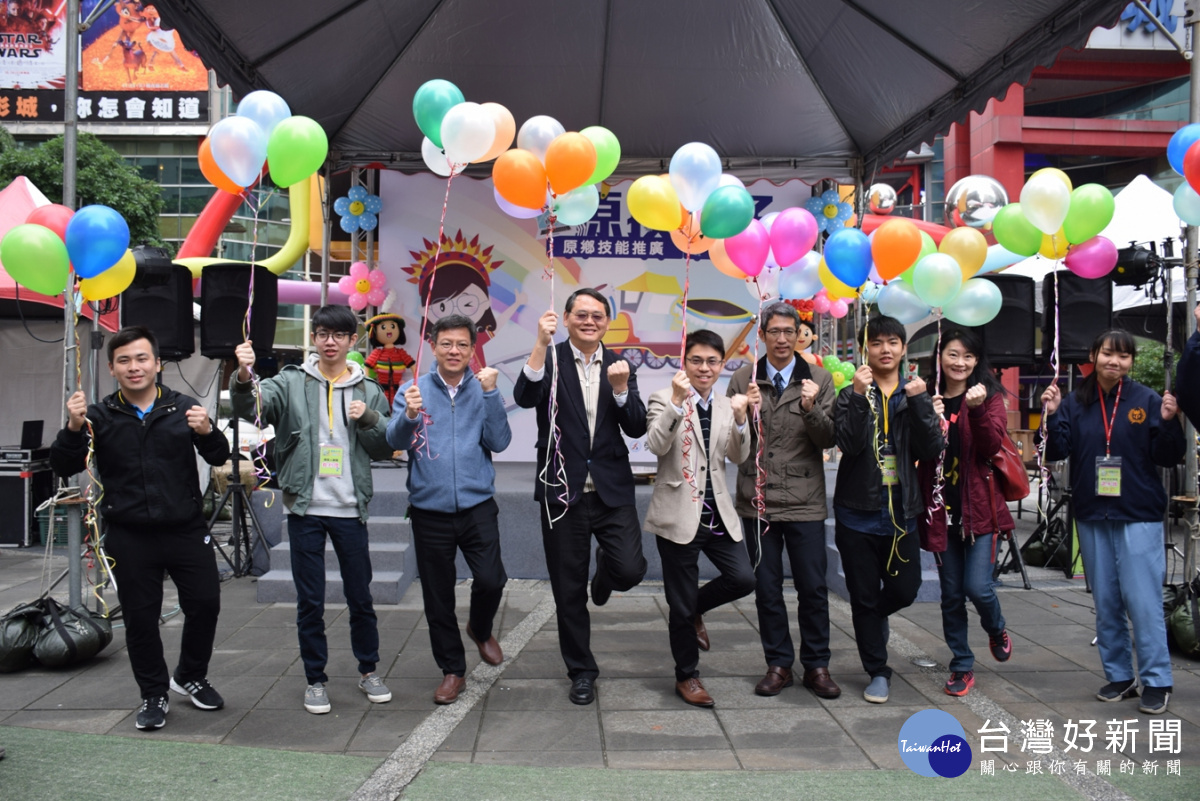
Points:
x=887 y=401
x=332 y=381
x=1108 y=422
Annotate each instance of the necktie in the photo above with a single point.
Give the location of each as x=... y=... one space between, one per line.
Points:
x=778 y=384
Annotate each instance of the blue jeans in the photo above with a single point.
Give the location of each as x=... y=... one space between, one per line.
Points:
x=966 y=574
x=1126 y=564
x=349 y=538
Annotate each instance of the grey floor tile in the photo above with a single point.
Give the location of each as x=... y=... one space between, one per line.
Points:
x=687 y=730
x=84 y=721
x=19 y=690
x=252 y=662
x=782 y=728
x=542 y=759
x=383 y=730
x=465 y=734
x=524 y=695
x=849 y=757
x=574 y=730
x=538 y=665
x=87 y=692
x=297 y=730
x=713 y=759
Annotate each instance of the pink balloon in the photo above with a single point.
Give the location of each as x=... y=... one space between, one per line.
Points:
x=358 y=270
x=376 y=296
x=838 y=308
x=1094 y=258
x=748 y=250
x=793 y=234
x=358 y=301
x=821 y=304
x=378 y=279
x=346 y=284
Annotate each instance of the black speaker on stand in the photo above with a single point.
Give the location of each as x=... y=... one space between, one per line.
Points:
x=1010 y=339
x=160 y=298
x=1084 y=312
x=224 y=298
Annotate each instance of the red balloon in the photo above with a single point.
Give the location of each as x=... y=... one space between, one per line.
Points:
x=1191 y=165
x=54 y=217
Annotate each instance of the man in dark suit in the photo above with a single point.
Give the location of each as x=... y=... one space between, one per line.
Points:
x=585 y=487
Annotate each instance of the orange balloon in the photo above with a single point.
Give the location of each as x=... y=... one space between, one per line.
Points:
x=506 y=131
x=689 y=239
x=212 y=173
x=570 y=160
x=520 y=178
x=895 y=245
x=721 y=260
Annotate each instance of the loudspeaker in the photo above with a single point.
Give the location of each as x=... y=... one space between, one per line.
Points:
x=1084 y=312
x=160 y=298
x=1009 y=340
x=23 y=487
x=224 y=297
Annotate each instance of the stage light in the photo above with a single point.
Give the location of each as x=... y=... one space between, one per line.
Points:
x=1136 y=267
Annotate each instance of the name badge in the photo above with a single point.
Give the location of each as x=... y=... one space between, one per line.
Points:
x=888 y=468
x=1108 y=476
x=332 y=460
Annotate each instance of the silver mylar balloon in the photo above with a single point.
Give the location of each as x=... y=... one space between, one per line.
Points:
x=881 y=199
x=974 y=201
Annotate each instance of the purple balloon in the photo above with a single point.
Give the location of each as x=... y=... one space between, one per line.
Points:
x=793 y=234
x=1094 y=258
x=512 y=209
x=748 y=250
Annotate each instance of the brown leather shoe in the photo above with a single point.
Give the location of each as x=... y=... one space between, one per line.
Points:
x=819 y=681
x=447 y=692
x=489 y=649
x=701 y=634
x=693 y=692
x=773 y=683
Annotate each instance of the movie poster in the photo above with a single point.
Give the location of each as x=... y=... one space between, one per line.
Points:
x=33 y=54
x=127 y=49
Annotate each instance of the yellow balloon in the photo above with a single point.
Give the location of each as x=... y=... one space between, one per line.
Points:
x=111 y=282
x=966 y=246
x=1054 y=246
x=834 y=288
x=1057 y=173
x=653 y=202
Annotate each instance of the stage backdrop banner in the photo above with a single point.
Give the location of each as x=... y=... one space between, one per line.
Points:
x=492 y=269
x=33 y=54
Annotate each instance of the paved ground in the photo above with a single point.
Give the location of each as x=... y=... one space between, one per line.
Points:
x=518 y=714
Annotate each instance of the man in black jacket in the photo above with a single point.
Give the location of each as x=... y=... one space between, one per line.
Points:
x=585 y=486
x=146 y=437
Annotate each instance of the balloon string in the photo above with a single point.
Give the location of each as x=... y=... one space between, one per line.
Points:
x=1043 y=470
x=554 y=472
x=936 y=500
x=761 y=526
x=689 y=428
x=259 y=460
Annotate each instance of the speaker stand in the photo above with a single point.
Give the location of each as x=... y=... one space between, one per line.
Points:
x=245 y=528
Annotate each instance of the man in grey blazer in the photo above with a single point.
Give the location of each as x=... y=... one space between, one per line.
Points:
x=692 y=430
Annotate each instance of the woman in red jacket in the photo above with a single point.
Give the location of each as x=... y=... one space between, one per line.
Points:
x=961 y=529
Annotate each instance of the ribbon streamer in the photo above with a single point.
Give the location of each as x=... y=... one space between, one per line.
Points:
x=936 y=500
x=554 y=472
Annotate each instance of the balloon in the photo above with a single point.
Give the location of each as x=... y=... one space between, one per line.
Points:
x=506 y=130
x=748 y=249
x=577 y=206
x=793 y=234
x=54 y=216
x=608 y=152
x=974 y=202
x=1186 y=202
x=821 y=303
x=967 y=247
x=727 y=212
x=768 y=220
x=212 y=173
x=356 y=357
x=1014 y=231
x=869 y=293
x=720 y=260
x=695 y=173
x=376 y=296
x=895 y=246
x=848 y=254
x=998 y=258
x=513 y=210
x=436 y=160
x=430 y=104
x=1055 y=173
x=937 y=279
x=297 y=148
x=833 y=287
x=239 y=148
x=900 y=300
x=801 y=280
x=266 y=108
x=838 y=309
x=97 y=238
x=1191 y=166
x=764 y=286
x=839 y=380
x=1094 y=258
x=1180 y=142
x=537 y=133
x=653 y=203
x=570 y=161
x=689 y=239
x=1054 y=247
x=111 y=282
x=881 y=199
x=730 y=180
x=35 y=258
x=520 y=178
x=1090 y=213
x=1045 y=200
x=467 y=133
x=977 y=303
x=368 y=222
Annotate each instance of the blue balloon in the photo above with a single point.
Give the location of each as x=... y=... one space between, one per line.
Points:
x=367 y=221
x=848 y=255
x=266 y=108
x=1187 y=204
x=357 y=193
x=349 y=223
x=900 y=300
x=341 y=205
x=1181 y=140
x=97 y=238
x=373 y=203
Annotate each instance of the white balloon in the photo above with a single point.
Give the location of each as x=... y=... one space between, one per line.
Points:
x=537 y=133
x=1045 y=201
x=695 y=171
x=239 y=147
x=900 y=300
x=467 y=132
x=730 y=180
x=436 y=160
x=765 y=286
x=266 y=108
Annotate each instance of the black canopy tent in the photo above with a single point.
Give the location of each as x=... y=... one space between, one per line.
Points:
x=808 y=89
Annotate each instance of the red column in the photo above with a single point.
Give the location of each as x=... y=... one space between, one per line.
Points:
x=995 y=141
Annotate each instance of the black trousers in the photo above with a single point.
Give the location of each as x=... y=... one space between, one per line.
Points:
x=876 y=590
x=140 y=555
x=437 y=535
x=685 y=599
x=568 y=553
x=805 y=544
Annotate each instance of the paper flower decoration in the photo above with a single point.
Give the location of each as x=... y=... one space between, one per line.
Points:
x=358 y=210
x=830 y=211
x=364 y=287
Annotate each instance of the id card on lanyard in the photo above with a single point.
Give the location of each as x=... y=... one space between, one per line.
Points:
x=333 y=457
x=1108 y=467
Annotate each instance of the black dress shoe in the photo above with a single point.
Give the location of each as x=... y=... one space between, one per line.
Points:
x=583 y=690
x=601 y=590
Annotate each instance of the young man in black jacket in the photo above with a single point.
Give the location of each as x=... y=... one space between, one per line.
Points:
x=146 y=437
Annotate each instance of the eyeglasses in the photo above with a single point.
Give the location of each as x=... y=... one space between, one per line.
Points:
x=446 y=344
x=712 y=364
x=336 y=336
x=786 y=332
x=595 y=317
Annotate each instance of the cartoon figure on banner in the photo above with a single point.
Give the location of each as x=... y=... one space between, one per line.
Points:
x=134 y=57
x=163 y=41
x=387 y=362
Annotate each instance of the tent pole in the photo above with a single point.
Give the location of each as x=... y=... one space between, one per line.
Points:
x=327 y=235
x=1189 y=559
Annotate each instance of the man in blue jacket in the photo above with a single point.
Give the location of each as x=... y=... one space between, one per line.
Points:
x=451 y=422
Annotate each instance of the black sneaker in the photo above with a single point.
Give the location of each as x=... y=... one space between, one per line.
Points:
x=202 y=693
x=1154 y=700
x=153 y=714
x=1001 y=646
x=1118 y=690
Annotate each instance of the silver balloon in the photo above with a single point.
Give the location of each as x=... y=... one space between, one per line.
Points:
x=974 y=201
x=881 y=199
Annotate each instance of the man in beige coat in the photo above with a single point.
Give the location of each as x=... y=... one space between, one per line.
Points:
x=692 y=430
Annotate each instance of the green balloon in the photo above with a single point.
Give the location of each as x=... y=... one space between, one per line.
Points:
x=356 y=357
x=36 y=258
x=1090 y=212
x=608 y=152
x=430 y=104
x=847 y=370
x=727 y=212
x=1015 y=232
x=297 y=148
